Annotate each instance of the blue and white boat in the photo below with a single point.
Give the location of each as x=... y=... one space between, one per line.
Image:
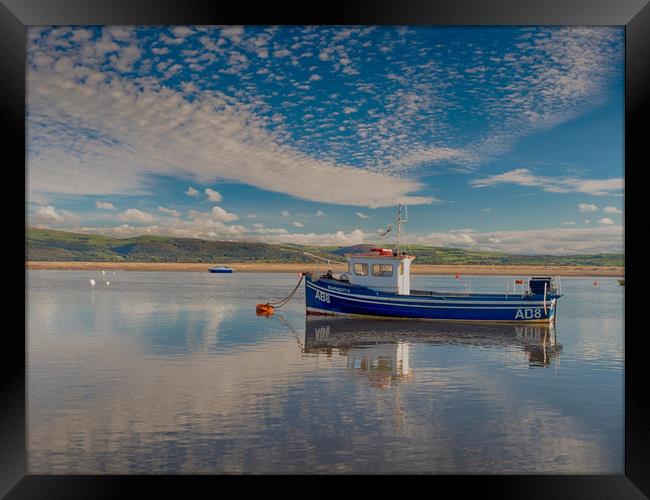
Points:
x=377 y=285
x=221 y=269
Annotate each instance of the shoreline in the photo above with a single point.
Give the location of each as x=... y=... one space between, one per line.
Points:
x=257 y=267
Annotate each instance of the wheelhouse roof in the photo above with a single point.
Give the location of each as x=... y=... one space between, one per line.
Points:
x=379 y=256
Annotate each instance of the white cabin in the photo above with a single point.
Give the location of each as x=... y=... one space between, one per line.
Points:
x=381 y=270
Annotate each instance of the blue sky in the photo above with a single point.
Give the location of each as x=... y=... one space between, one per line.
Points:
x=501 y=138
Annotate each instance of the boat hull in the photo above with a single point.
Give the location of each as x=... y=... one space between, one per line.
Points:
x=222 y=271
x=333 y=298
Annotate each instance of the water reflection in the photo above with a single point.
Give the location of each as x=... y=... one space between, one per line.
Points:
x=381 y=348
x=168 y=373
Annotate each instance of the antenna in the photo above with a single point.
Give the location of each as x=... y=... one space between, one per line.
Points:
x=401 y=218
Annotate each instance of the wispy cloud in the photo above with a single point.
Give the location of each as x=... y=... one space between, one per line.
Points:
x=525 y=177
x=557 y=241
x=169 y=211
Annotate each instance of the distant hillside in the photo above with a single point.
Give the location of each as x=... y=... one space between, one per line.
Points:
x=50 y=245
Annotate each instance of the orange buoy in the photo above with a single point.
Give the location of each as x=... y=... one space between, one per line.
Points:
x=264 y=309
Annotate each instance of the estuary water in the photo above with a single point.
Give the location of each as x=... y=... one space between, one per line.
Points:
x=173 y=372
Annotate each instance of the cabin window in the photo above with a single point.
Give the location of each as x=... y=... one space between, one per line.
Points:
x=361 y=269
x=382 y=269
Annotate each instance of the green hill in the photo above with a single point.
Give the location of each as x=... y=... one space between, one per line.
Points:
x=51 y=245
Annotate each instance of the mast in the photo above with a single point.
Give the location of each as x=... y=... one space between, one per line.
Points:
x=400 y=218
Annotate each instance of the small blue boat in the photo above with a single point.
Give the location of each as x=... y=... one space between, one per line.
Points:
x=221 y=269
x=377 y=285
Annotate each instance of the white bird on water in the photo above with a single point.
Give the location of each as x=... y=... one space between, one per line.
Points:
x=92 y=282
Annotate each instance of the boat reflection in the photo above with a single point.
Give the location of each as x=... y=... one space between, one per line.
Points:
x=381 y=348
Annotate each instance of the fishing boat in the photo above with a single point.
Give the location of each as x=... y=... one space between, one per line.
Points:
x=377 y=285
x=221 y=269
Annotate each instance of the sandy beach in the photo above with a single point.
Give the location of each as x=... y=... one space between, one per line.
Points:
x=253 y=267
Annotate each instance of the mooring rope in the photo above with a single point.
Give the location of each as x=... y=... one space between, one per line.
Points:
x=284 y=301
x=266 y=309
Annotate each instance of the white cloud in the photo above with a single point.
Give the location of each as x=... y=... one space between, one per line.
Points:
x=192 y=192
x=213 y=195
x=281 y=53
x=587 y=207
x=135 y=215
x=182 y=31
x=611 y=210
x=606 y=220
x=217 y=214
x=361 y=215
x=524 y=177
x=104 y=205
x=298 y=224
x=260 y=228
x=48 y=214
x=169 y=211
x=342 y=238
x=80 y=35
x=234 y=33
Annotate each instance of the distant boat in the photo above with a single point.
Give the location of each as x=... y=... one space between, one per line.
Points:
x=221 y=269
x=377 y=284
x=621 y=282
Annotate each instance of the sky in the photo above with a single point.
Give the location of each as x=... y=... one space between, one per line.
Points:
x=497 y=138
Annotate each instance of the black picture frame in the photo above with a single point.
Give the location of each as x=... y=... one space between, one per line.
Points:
x=16 y=15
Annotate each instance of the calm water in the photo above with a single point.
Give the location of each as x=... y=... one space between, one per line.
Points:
x=174 y=373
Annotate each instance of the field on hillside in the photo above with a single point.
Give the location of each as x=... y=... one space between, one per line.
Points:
x=46 y=245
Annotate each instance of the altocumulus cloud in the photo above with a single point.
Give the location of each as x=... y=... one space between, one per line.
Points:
x=125 y=132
